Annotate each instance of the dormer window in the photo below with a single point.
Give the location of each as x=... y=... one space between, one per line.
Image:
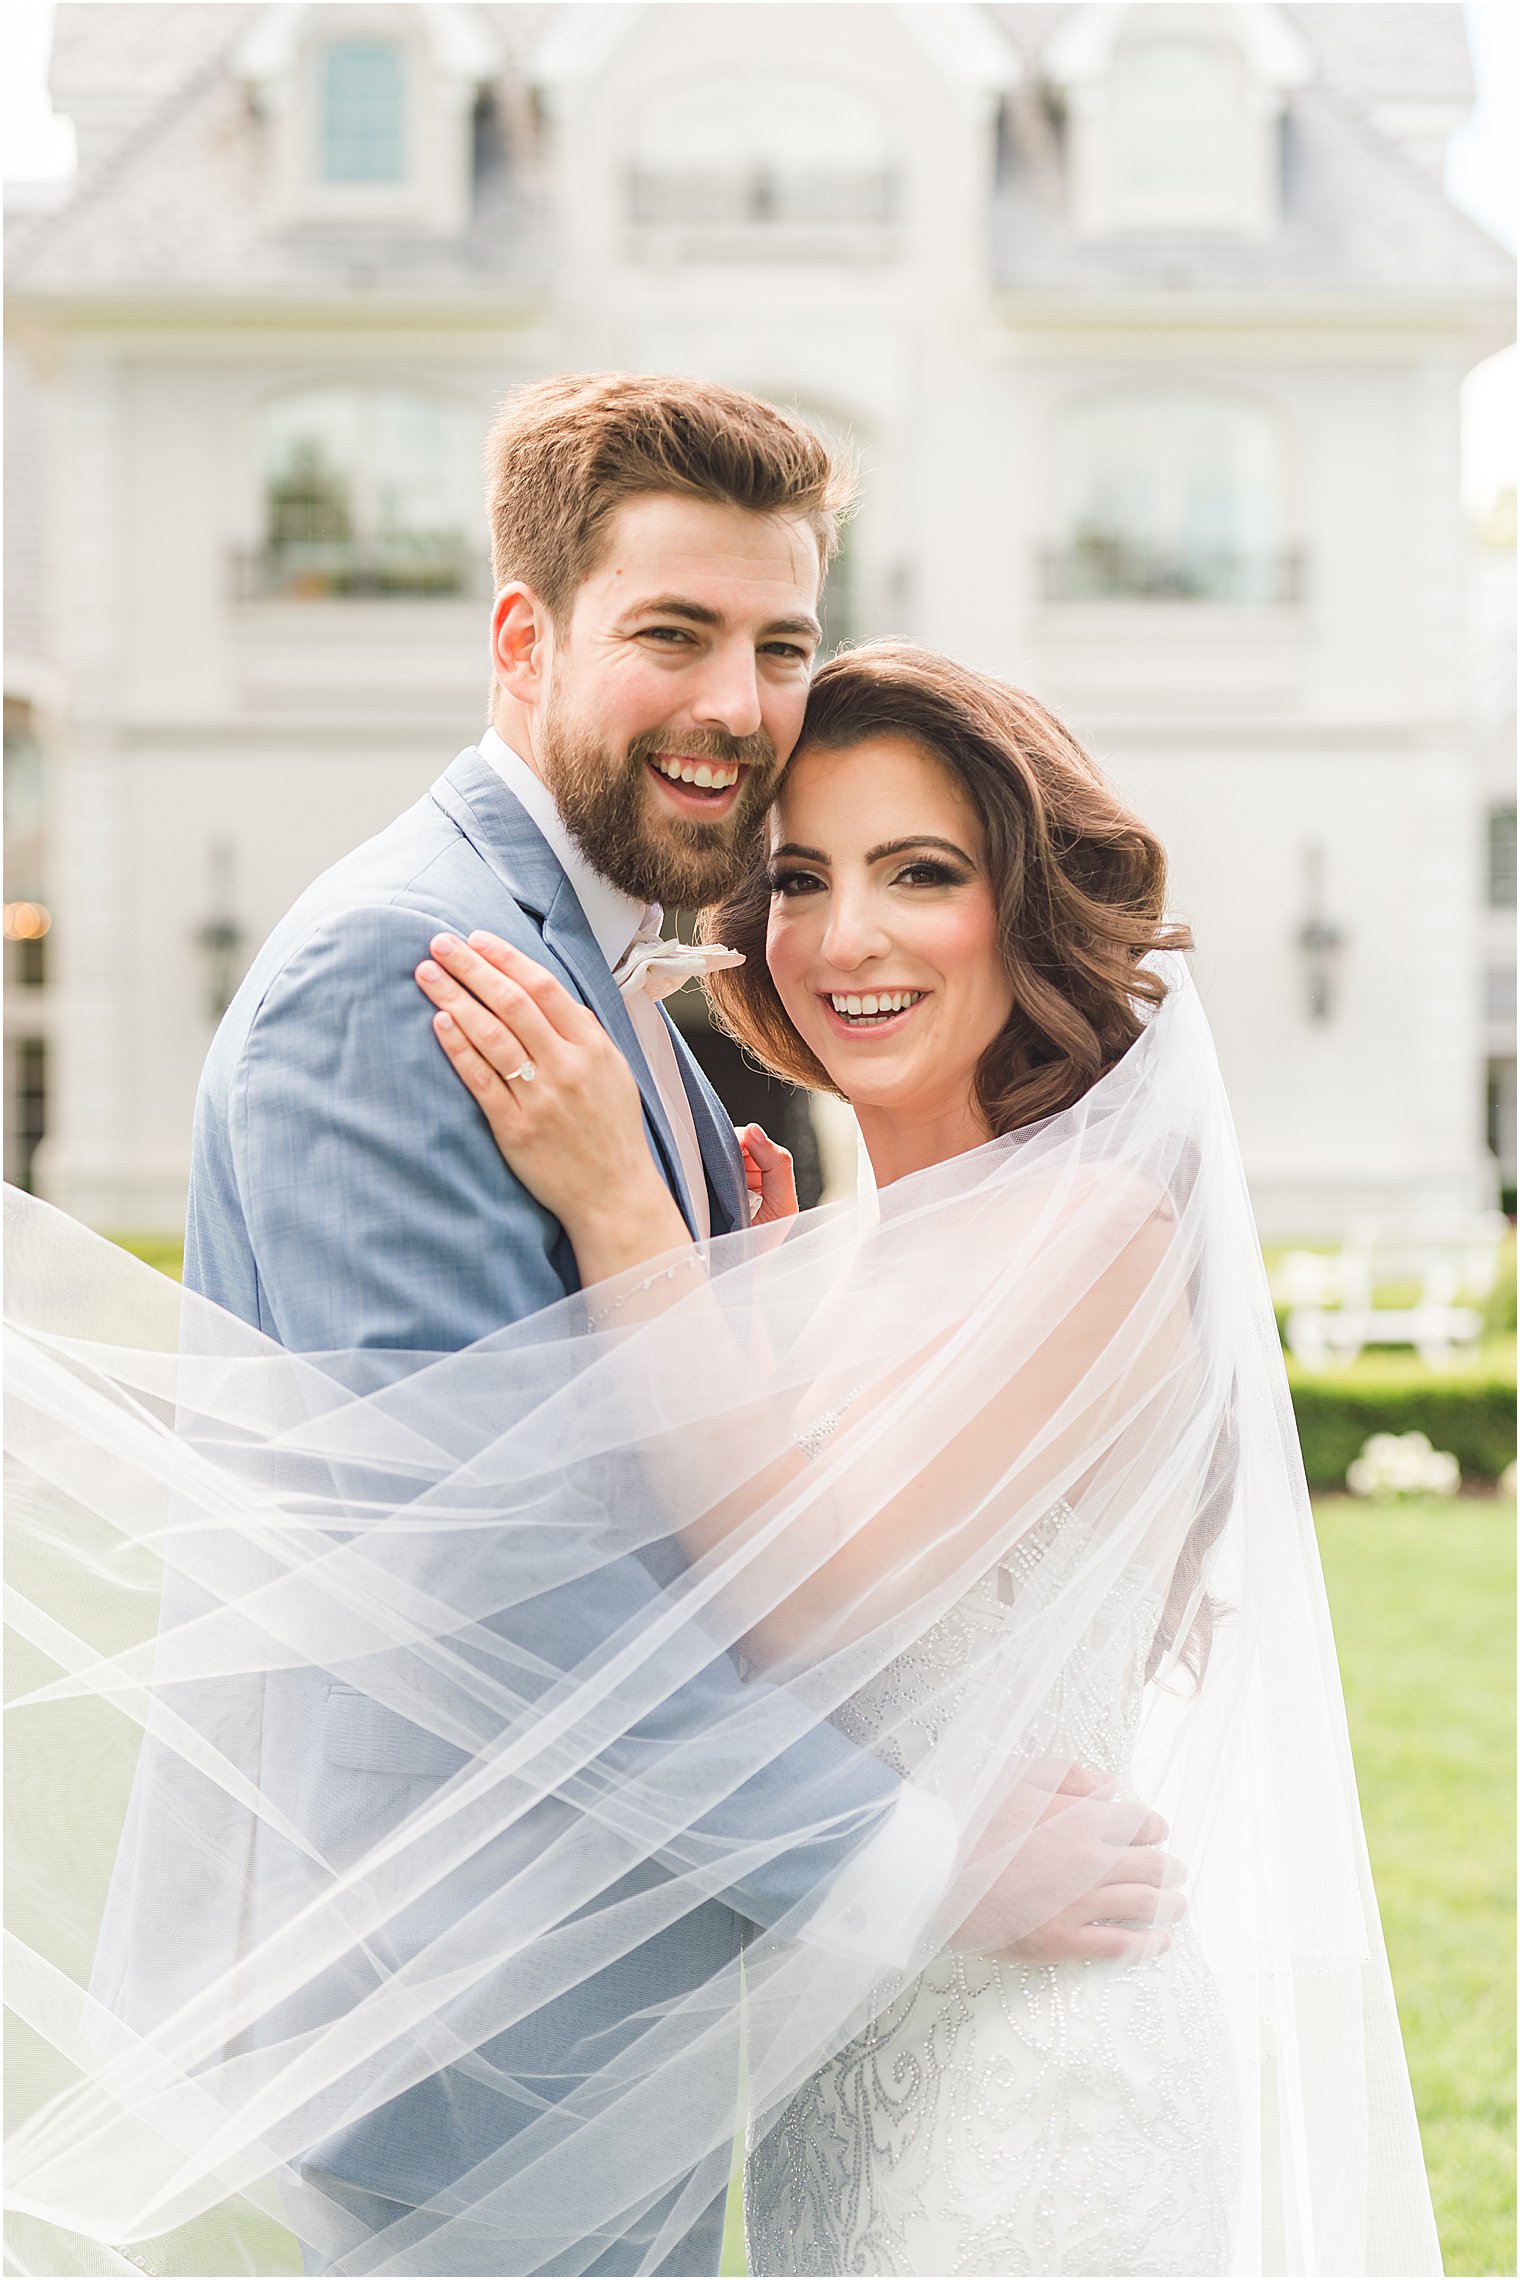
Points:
x=1173 y=115
x=363 y=112
x=366 y=112
x=1178 y=121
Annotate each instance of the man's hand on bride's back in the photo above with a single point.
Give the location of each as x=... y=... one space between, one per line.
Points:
x=562 y=1103
x=1067 y=1871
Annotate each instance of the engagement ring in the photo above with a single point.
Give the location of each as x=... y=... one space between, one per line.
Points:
x=524 y=1075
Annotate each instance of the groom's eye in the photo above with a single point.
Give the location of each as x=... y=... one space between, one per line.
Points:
x=792 y=651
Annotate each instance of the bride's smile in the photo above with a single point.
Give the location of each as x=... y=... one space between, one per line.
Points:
x=883 y=941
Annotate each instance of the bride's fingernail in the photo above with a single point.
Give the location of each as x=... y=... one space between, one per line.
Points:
x=444 y=943
x=443 y=1021
x=428 y=972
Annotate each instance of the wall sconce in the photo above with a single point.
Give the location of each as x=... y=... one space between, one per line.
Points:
x=1320 y=941
x=220 y=938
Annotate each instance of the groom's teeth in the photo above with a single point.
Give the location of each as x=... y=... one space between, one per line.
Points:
x=706 y=775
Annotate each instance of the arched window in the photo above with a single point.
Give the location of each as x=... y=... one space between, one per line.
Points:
x=759 y=149
x=363 y=112
x=1179 y=131
x=367 y=490
x=1171 y=495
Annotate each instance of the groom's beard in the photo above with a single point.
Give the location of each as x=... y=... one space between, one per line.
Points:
x=606 y=803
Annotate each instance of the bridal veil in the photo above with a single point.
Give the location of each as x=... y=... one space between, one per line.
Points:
x=224 y=1556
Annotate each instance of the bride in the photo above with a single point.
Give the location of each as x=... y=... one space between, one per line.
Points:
x=991 y=1469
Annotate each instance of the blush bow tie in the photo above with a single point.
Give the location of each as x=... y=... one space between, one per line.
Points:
x=656 y=969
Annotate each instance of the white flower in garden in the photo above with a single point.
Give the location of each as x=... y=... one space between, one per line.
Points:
x=1403 y=1464
x=1507 y=1479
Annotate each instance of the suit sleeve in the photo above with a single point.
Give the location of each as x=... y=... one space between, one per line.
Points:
x=380 y=1211
x=382 y=1216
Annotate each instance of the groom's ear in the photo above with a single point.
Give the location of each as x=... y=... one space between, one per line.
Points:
x=521 y=643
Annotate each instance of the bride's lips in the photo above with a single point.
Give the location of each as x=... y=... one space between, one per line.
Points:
x=693 y=799
x=888 y=1025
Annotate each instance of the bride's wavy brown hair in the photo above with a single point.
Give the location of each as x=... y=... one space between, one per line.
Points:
x=1080 y=882
x=1081 y=894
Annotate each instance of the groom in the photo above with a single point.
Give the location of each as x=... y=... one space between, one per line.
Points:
x=658 y=545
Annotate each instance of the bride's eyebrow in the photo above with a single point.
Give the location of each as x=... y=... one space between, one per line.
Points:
x=902 y=846
x=882 y=854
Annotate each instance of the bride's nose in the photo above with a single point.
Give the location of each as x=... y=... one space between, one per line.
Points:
x=854 y=933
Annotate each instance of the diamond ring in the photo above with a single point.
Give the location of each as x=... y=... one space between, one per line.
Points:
x=524 y=1075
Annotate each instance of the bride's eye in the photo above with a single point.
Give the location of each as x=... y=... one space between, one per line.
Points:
x=788 y=883
x=930 y=874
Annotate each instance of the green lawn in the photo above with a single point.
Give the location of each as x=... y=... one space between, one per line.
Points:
x=1423 y=1599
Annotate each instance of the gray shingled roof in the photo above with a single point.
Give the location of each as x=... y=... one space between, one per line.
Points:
x=1357 y=214
x=175 y=205
x=1407 y=52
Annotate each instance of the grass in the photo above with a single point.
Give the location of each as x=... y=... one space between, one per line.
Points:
x=1422 y=1598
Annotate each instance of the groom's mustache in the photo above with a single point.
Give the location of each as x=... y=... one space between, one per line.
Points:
x=757 y=752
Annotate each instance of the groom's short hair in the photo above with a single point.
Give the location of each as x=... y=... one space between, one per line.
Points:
x=565 y=453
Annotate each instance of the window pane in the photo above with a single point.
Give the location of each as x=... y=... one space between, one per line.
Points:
x=1174 y=494
x=1177 y=124
x=368 y=490
x=363 y=113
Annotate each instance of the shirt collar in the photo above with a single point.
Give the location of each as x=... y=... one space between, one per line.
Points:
x=613 y=917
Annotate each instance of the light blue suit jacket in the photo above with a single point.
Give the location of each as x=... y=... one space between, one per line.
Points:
x=346 y=1192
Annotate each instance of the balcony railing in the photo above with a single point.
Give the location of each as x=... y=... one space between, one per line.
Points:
x=350 y=569
x=1109 y=570
x=761 y=197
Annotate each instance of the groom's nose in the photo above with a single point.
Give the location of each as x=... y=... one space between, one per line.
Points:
x=728 y=692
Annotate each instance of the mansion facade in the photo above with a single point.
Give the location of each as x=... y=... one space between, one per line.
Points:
x=1148 y=325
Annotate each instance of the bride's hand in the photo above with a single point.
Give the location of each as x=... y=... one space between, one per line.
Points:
x=768 y=1175
x=562 y=1103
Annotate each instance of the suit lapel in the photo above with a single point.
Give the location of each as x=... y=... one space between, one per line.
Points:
x=476 y=800
x=715 y=1137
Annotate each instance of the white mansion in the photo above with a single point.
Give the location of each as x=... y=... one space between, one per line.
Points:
x=1149 y=322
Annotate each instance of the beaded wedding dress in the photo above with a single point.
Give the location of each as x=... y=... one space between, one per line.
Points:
x=1002 y=2118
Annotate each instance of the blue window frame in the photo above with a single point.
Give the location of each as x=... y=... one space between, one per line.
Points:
x=363 y=113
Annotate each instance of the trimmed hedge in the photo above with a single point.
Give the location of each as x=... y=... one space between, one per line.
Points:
x=1470 y=1411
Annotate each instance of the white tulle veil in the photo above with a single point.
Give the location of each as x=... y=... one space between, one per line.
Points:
x=224 y=1557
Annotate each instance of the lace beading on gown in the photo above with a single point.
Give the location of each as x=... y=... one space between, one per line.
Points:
x=998 y=2118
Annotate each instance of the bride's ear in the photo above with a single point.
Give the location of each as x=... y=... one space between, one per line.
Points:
x=522 y=638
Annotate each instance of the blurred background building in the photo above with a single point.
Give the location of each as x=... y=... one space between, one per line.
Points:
x=1148 y=322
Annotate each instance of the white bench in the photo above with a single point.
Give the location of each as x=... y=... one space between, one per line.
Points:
x=1331 y=1297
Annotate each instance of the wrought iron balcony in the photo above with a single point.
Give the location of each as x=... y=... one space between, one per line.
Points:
x=1112 y=569
x=354 y=569
x=761 y=198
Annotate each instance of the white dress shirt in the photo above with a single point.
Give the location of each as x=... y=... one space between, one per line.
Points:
x=884 y=1896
